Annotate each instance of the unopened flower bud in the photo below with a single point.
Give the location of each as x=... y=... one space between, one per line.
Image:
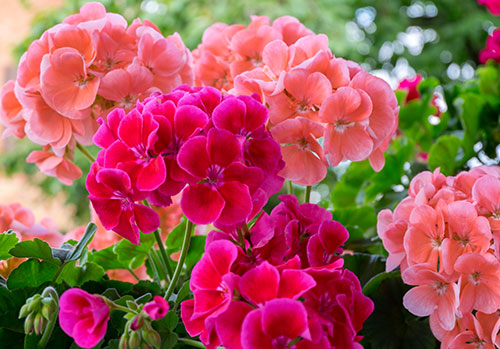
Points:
x=34 y=303
x=123 y=341
x=24 y=311
x=28 y=323
x=135 y=340
x=39 y=323
x=152 y=338
x=49 y=307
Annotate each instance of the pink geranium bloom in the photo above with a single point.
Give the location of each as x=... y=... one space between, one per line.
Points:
x=337 y=306
x=83 y=316
x=291 y=29
x=424 y=239
x=11 y=112
x=479 y=282
x=492 y=5
x=114 y=200
x=411 y=86
x=323 y=248
x=492 y=50
x=477 y=332
x=134 y=151
x=264 y=283
x=157 y=308
x=486 y=193
x=434 y=293
x=305 y=162
x=346 y=137
x=467 y=233
x=305 y=92
x=275 y=325
x=66 y=85
x=224 y=195
x=212 y=284
x=124 y=86
x=69 y=36
x=55 y=166
x=391 y=228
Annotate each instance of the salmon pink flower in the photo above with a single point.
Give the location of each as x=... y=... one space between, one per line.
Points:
x=66 y=85
x=479 y=282
x=52 y=165
x=224 y=185
x=346 y=137
x=114 y=200
x=486 y=193
x=11 y=112
x=83 y=316
x=305 y=162
x=434 y=293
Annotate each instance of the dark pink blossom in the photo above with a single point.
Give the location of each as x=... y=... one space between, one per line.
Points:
x=492 y=5
x=157 y=308
x=223 y=187
x=275 y=325
x=83 y=316
x=115 y=202
x=492 y=50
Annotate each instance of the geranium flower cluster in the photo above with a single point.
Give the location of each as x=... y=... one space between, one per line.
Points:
x=310 y=93
x=445 y=236
x=77 y=72
x=410 y=85
x=492 y=50
x=277 y=284
x=214 y=149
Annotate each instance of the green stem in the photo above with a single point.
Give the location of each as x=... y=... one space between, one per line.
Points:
x=308 y=194
x=180 y=263
x=191 y=342
x=50 y=325
x=290 y=188
x=133 y=274
x=158 y=265
x=163 y=253
x=61 y=267
x=85 y=152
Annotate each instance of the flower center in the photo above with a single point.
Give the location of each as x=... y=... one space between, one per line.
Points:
x=214 y=174
x=475 y=277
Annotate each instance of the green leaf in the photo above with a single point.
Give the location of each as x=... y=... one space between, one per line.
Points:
x=8 y=240
x=35 y=248
x=182 y=294
x=175 y=237
x=372 y=285
x=108 y=259
x=488 y=79
x=81 y=246
x=31 y=273
x=469 y=108
x=196 y=250
x=10 y=339
x=77 y=275
x=443 y=154
x=134 y=255
x=359 y=221
x=364 y=265
x=407 y=330
x=10 y=304
x=31 y=341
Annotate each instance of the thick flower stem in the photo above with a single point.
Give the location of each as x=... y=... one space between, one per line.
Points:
x=158 y=265
x=50 y=325
x=182 y=258
x=290 y=188
x=308 y=194
x=163 y=253
x=85 y=153
x=191 y=342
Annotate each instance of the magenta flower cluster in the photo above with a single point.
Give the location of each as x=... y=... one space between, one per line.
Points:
x=215 y=148
x=278 y=284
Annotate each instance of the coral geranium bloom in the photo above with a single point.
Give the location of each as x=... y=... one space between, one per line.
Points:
x=305 y=163
x=346 y=112
x=423 y=241
x=434 y=293
x=65 y=84
x=479 y=282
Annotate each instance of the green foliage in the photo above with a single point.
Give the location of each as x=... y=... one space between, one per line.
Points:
x=35 y=248
x=7 y=241
x=134 y=255
x=31 y=273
